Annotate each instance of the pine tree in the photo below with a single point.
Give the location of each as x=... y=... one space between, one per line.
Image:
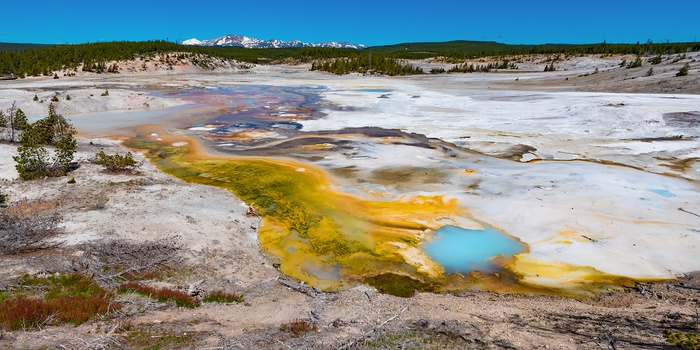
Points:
x=655 y=60
x=33 y=160
x=636 y=63
x=65 y=150
x=20 y=122
x=683 y=71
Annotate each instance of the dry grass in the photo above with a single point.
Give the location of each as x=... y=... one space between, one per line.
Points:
x=122 y=260
x=23 y=228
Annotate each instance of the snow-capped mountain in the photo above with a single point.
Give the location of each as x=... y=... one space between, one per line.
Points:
x=193 y=42
x=252 y=43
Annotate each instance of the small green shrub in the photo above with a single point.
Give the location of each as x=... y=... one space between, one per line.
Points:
x=54 y=98
x=220 y=296
x=636 y=63
x=298 y=327
x=36 y=98
x=72 y=180
x=74 y=284
x=678 y=58
x=3 y=198
x=106 y=93
x=68 y=98
x=655 y=60
x=683 y=340
x=684 y=70
x=116 y=162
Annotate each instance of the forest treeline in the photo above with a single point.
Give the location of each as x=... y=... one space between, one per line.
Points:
x=32 y=60
x=365 y=63
x=462 y=50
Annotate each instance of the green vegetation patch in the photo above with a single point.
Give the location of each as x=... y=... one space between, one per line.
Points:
x=73 y=298
x=463 y=49
x=398 y=285
x=683 y=340
x=12 y=47
x=418 y=338
x=149 y=340
x=116 y=162
x=220 y=296
x=366 y=63
x=180 y=298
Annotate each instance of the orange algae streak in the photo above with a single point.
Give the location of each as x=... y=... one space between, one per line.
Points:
x=566 y=279
x=324 y=237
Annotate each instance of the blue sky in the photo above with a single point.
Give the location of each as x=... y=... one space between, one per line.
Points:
x=374 y=22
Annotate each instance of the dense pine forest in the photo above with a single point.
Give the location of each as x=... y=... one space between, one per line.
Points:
x=8 y=47
x=460 y=50
x=367 y=64
x=32 y=60
x=26 y=61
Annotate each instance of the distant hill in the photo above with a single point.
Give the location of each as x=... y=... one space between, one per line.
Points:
x=451 y=46
x=11 y=47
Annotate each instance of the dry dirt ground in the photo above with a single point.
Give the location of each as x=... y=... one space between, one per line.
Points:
x=212 y=237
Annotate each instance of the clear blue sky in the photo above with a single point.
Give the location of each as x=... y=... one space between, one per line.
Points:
x=375 y=22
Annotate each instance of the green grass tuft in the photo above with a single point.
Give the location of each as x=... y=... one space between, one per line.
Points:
x=298 y=327
x=687 y=340
x=219 y=296
x=181 y=299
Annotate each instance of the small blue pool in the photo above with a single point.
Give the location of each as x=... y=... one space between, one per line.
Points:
x=662 y=193
x=462 y=250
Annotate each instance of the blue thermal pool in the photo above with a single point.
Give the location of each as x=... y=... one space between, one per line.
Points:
x=662 y=193
x=462 y=250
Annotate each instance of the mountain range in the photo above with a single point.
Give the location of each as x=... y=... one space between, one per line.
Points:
x=252 y=43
